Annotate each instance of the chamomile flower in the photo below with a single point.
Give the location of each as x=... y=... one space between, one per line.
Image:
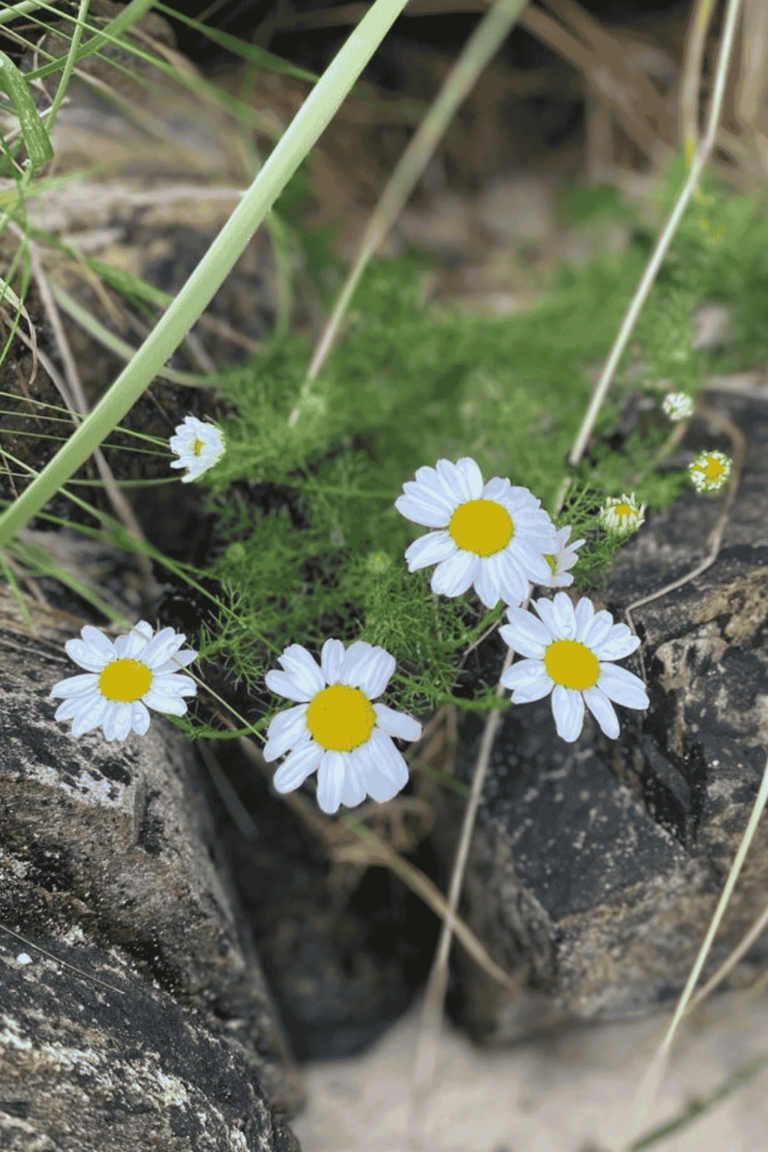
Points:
x=335 y=729
x=493 y=536
x=710 y=470
x=123 y=678
x=622 y=515
x=568 y=656
x=677 y=405
x=564 y=558
x=198 y=445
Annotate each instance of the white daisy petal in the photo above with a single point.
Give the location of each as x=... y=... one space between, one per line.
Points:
x=564 y=615
x=584 y=614
x=546 y=613
x=302 y=669
x=496 y=489
x=532 y=562
x=429 y=549
x=283 y=685
x=421 y=512
x=97 y=642
x=529 y=680
x=454 y=575
x=160 y=649
x=489 y=580
x=88 y=719
x=294 y=735
x=297 y=767
x=471 y=476
x=568 y=709
x=600 y=707
x=117 y=722
x=514 y=584
x=356 y=660
x=75 y=685
x=389 y=764
x=354 y=789
x=86 y=655
x=617 y=645
x=427 y=478
x=331 y=660
x=78 y=705
x=397 y=723
x=139 y=718
x=377 y=674
x=596 y=629
x=331 y=776
x=452 y=480
x=431 y=495
x=623 y=686
x=526 y=634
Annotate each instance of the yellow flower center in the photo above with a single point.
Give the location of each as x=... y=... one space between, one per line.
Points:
x=624 y=510
x=125 y=680
x=713 y=469
x=552 y=561
x=197 y=447
x=481 y=526
x=572 y=664
x=340 y=718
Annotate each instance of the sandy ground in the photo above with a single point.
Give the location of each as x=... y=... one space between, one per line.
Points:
x=564 y=1095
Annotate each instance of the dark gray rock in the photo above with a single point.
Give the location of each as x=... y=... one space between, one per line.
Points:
x=145 y=1022
x=595 y=866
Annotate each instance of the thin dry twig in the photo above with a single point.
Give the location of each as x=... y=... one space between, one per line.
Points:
x=428 y=1037
x=716 y=535
x=74 y=397
x=665 y=239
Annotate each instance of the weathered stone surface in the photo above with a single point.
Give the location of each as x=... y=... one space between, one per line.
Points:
x=596 y=866
x=149 y=1025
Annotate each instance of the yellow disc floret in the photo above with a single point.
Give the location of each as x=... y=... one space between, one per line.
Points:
x=125 y=680
x=340 y=718
x=572 y=664
x=481 y=526
x=197 y=447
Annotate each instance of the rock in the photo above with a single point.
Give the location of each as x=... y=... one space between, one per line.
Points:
x=135 y=1013
x=596 y=866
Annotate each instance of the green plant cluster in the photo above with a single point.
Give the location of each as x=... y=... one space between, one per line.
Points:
x=406 y=385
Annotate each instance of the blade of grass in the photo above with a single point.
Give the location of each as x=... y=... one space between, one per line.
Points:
x=486 y=39
x=309 y=123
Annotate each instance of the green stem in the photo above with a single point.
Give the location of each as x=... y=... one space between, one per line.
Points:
x=307 y=126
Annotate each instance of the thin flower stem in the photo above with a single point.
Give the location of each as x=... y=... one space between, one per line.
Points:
x=306 y=127
x=646 y=1093
x=429 y=1026
x=486 y=39
x=665 y=239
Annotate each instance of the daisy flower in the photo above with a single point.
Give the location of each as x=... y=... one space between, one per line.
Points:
x=198 y=445
x=564 y=558
x=335 y=729
x=493 y=536
x=710 y=470
x=622 y=515
x=568 y=656
x=123 y=677
x=677 y=405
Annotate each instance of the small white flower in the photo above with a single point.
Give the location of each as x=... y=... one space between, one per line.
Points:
x=677 y=405
x=493 y=536
x=198 y=445
x=710 y=470
x=335 y=729
x=568 y=651
x=622 y=515
x=124 y=676
x=564 y=558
